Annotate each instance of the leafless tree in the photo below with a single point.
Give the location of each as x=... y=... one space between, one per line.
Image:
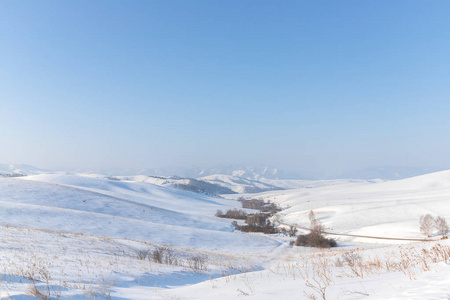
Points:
x=312 y=216
x=427 y=224
x=316 y=226
x=441 y=226
x=292 y=230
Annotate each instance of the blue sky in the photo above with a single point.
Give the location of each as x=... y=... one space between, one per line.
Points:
x=302 y=85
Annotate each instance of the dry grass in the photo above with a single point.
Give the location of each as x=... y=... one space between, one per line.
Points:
x=319 y=269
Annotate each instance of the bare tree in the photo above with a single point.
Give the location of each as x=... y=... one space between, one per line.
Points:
x=312 y=216
x=441 y=226
x=427 y=224
x=292 y=230
x=316 y=226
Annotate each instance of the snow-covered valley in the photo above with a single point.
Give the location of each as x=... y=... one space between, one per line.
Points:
x=86 y=236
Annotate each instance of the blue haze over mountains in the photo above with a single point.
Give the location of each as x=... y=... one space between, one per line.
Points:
x=249 y=172
x=257 y=172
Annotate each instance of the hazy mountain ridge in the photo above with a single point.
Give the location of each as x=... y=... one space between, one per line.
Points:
x=233 y=179
x=213 y=184
x=239 y=184
x=189 y=184
x=265 y=172
x=247 y=172
x=20 y=169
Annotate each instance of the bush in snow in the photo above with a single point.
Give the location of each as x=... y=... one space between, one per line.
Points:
x=197 y=262
x=315 y=241
x=315 y=237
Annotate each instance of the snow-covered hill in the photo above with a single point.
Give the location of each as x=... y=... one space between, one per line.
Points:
x=386 y=208
x=134 y=210
x=213 y=184
x=247 y=172
x=188 y=184
x=385 y=173
x=78 y=235
x=239 y=184
x=19 y=169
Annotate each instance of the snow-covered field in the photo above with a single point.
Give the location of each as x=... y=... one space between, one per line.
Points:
x=77 y=236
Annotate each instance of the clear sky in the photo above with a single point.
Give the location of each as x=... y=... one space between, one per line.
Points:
x=302 y=85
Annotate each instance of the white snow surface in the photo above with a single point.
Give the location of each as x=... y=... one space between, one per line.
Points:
x=133 y=210
x=20 y=169
x=233 y=183
x=240 y=184
x=386 y=208
x=78 y=236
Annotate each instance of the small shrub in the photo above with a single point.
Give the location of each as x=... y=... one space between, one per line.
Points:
x=197 y=262
x=314 y=240
x=338 y=263
x=352 y=258
x=292 y=231
x=158 y=255
x=143 y=254
x=169 y=257
x=332 y=242
x=235 y=224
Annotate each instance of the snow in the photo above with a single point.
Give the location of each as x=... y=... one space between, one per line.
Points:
x=134 y=210
x=239 y=184
x=19 y=169
x=78 y=236
x=392 y=208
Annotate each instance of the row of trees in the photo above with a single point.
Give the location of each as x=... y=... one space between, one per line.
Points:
x=254 y=222
x=428 y=224
x=259 y=204
x=232 y=214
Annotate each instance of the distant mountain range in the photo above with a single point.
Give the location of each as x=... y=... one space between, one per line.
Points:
x=19 y=169
x=213 y=184
x=259 y=172
x=247 y=172
x=252 y=175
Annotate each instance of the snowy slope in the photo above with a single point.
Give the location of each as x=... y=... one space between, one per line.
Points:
x=79 y=236
x=134 y=210
x=297 y=184
x=190 y=184
x=391 y=208
x=20 y=169
x=239 y=184
x=212 y=184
